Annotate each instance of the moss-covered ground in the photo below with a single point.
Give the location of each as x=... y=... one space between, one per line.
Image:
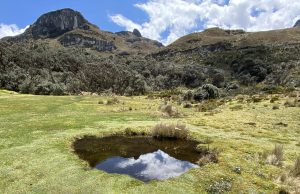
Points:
x=36 y=135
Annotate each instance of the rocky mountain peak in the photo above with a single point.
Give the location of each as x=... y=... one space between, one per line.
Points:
x=136 y=33
x=297 y=24
x=58 y=22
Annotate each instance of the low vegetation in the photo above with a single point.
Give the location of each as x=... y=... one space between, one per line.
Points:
x=221 y=186
x=209 y=105
x=37 y=133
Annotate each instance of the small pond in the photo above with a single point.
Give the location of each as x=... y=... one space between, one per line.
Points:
x=143 y=158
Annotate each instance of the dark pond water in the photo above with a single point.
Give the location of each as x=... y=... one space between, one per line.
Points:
x=143 y=158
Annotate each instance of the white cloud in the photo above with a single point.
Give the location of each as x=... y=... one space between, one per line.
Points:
x=10 y=30
x=157 y=165
x=180 y=17
x=124 y=22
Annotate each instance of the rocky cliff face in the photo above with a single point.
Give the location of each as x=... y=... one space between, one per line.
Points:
x=56 y=23
x=90 y=42
x=137 y=33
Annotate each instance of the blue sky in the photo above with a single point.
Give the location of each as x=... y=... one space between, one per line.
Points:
x=25 y=12
x=162 y=20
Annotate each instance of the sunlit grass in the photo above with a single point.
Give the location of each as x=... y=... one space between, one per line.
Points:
x=37 y=132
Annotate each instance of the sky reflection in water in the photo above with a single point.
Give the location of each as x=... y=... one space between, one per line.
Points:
x=152 y=166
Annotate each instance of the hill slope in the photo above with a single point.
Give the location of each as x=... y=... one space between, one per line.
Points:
x=271 y=57
x=64 y=53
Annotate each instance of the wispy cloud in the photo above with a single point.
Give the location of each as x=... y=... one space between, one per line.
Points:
x=10 y=30
x=177 y=18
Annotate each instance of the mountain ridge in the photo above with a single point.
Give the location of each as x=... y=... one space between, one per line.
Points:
x=62 y=57
x=70 y=28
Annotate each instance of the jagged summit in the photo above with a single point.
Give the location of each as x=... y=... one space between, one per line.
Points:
x=297 y=24
x=56 y=23
x=137 y=33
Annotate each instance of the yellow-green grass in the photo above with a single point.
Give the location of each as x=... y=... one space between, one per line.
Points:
x=36 y=135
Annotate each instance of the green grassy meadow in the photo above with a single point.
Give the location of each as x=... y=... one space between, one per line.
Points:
x=36 y=135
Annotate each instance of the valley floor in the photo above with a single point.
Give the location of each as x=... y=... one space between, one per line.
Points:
x=36 y=135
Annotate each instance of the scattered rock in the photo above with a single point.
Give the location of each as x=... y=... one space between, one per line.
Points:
x=237 y=170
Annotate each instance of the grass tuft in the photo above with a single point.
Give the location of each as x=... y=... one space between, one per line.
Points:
x=292 y=102
x=275 y=157
x=296 y=169
x=169 y=110
x=112 y=101
x=172 y=131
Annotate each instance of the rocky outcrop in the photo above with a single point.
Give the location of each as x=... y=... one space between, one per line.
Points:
x=56 y=23
x=297 y=24
x=135 y=39
x=90 y=42
x=136 y=33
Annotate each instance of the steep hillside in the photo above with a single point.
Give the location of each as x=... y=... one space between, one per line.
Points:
x=271 y=57
x=63 y=53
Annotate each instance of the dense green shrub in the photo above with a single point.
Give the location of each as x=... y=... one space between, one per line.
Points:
x=207 y=91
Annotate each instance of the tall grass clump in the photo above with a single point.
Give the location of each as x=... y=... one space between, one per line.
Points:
x=292 y=102
x=296 y=169
x=169 y=110
x=275 y=157
x=172 y=131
